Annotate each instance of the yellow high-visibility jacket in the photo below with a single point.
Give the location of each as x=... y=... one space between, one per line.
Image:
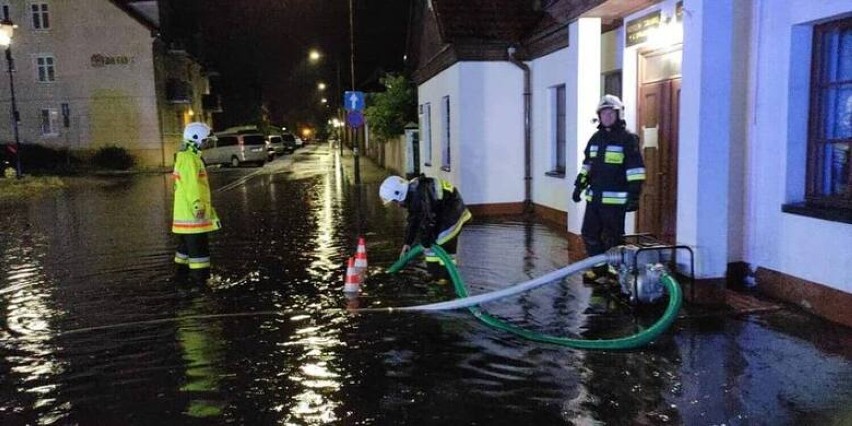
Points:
x=193 y=211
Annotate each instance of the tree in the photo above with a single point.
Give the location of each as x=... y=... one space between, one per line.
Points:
x=391 y=110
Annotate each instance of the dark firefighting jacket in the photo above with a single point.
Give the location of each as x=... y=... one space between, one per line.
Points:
x=436 y=211
x=613 y=169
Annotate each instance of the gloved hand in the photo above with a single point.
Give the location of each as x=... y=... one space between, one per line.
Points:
x=632 y=204
x=581 y=183
x=577 y=194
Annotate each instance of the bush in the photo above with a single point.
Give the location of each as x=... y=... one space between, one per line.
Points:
x=38 y=159
x=113 y=158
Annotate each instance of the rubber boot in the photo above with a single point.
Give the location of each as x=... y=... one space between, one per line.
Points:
x=596 y=275
x=181 y=274
x=199 y=277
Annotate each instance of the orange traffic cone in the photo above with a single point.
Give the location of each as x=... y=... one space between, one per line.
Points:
x=352 y=284
x=361 y=255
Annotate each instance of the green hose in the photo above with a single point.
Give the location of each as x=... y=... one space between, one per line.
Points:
x=637 y=340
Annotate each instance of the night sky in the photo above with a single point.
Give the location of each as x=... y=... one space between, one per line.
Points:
x=260 y=48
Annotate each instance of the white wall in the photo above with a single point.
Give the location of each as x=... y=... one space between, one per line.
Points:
x=487 y=130
x=582 y=94
x=804 y=247
x=547 y=73
x=109 y=104
x=491 y=117
x=578 y=68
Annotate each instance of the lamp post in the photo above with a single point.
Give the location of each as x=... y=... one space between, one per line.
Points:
x=7 y=28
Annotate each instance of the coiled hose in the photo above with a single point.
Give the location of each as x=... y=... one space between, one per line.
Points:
x=637 y=340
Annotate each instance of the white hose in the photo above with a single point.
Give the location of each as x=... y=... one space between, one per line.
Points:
x=509 y=291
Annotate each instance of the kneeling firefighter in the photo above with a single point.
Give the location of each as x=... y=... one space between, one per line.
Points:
x=194 y=216
x=436 y=214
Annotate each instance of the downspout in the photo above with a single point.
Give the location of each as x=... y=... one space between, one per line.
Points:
x=527 y=130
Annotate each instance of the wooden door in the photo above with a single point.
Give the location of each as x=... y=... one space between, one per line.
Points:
x=658 y=110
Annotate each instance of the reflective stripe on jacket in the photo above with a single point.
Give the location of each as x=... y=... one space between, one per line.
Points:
x=613 y=166
x=193 y=212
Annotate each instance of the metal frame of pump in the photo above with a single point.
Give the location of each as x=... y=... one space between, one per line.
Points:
x=626 y=260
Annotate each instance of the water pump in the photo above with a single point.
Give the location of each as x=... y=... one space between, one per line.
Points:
x=641 y=264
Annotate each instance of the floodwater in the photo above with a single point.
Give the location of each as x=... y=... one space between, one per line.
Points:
x=95 y=328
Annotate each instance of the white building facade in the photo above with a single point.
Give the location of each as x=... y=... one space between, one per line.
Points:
x=91 y=73
x=747 y=152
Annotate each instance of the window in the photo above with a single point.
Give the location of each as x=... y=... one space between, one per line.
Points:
x=227 y=141
x=445 y=135
x=41 y=19
x=45 y=68
x=4 y=11
x=612 y=83
x=49 y=122
x=829 y=175
x=426 y=125
x=557 y=100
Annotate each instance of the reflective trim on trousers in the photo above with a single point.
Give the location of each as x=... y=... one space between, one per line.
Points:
x=181 y=258
x=199 y=262
x=450 y=233
x=431 y=258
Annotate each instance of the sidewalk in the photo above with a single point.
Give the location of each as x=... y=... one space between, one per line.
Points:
x=370 y=171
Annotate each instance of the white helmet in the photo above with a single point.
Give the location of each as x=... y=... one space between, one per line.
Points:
x=394 y=188
x=196 y=132
x=610 y=101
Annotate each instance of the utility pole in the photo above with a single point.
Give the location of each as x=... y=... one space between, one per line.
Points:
x=356 y=141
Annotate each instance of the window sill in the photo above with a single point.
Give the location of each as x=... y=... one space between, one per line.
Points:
x=555 y=174
x=445 y=168
x=427 y=164
x=833 y=215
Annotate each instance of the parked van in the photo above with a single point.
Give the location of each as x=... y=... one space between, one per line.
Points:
x=275 y=146
x=235 y=149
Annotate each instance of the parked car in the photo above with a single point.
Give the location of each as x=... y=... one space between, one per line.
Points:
x=235 y=149
x=289 y=142
x=299 y=142
x=274 y=146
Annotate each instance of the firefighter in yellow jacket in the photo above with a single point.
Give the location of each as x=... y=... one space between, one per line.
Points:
x=194 y=216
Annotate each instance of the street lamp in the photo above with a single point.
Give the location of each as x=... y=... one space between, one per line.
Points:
x=321 y=86
x=314 y=55
x=7 y=28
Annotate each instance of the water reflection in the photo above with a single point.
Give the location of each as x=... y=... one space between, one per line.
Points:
x=96 y=329
x=27 y=338
x=201 y=343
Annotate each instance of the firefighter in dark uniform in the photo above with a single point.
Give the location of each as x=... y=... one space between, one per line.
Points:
x=611 y=177
x=436 y=214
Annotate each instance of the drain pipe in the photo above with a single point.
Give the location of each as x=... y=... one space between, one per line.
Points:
x=527 y=131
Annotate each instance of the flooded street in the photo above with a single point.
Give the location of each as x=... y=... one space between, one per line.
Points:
x=96 y=329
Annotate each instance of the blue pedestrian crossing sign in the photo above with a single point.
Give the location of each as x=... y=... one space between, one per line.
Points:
x=353 y=101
